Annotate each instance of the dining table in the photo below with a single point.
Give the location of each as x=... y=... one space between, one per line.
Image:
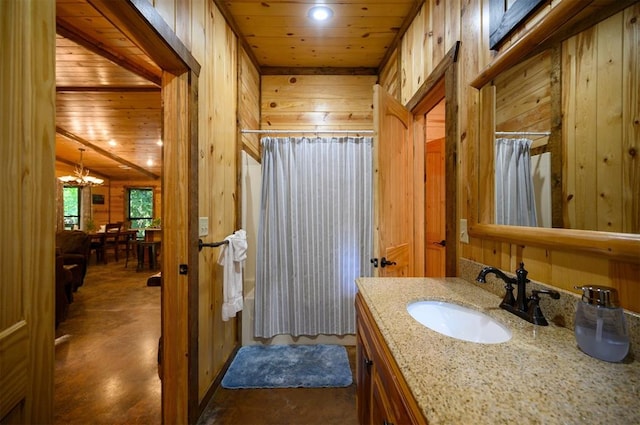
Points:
x=98 y=240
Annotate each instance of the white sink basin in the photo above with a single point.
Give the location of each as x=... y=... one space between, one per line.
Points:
x=459 y=322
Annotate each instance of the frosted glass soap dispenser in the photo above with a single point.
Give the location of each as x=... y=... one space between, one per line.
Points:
x=600 y=328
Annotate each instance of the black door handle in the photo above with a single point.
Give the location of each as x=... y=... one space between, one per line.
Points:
x=441 y=243
x=384 y=263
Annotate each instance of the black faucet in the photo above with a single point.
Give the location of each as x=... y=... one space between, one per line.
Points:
x=519 y=305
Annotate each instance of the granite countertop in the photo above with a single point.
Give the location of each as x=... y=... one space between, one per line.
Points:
x=539 y=376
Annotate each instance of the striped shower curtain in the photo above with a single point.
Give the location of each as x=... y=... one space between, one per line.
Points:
x=515 y=198
x=314 y=236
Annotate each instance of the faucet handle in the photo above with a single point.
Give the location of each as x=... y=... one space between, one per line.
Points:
x=521 y=273
x=553 y=294
x=535 y=313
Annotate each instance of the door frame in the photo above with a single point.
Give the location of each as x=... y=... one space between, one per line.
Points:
x=441 y=83
x=142 y=23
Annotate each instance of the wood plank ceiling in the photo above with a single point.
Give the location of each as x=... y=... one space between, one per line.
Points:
x=108 y=90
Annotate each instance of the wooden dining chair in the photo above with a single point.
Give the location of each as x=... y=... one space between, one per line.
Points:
x=112 y=239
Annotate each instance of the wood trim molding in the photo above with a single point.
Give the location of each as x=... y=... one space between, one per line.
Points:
x=278 y=70
x=564 y=20
x=619 y=246
x=434 y=78
x=538 y=33
x=142 y=23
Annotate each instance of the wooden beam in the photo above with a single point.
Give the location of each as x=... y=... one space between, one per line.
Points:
x=285 y=70
x=75 y=164
x=95 y=46
x=69 y=135
x=106 y=89
x=143 y=25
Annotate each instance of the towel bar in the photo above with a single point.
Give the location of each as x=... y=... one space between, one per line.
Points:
x=210 y=245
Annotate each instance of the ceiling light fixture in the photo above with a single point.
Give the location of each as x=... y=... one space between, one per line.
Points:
x=320 y=13
x=81 y=176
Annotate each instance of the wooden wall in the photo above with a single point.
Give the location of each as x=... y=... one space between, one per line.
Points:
x=218 y=196
x=249 y=104
x=433 y=32
x=115 y=197
x=601 y=101
x=201 y=27
x=467 y=21
x=317 y=102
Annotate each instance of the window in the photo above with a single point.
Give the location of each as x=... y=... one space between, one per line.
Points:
x=140 y=205
x=505 y=16
x=71 y=204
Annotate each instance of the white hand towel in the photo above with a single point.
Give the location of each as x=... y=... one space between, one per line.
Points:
x=232 y=257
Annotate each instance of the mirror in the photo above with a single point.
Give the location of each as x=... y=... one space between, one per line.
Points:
x=577 y=105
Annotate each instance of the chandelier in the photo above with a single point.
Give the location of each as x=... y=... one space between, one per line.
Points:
x=81 y=176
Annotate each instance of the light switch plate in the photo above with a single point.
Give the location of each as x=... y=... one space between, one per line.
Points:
x=203 y=226
x=464 y=235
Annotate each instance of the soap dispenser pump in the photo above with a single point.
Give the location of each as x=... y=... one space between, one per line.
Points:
x=600 y=326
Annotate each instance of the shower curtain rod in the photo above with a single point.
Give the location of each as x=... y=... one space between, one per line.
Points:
x=523 y=133
x=246 y=131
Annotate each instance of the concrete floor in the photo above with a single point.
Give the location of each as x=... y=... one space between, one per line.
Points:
x=106 y=350
x=106 y=365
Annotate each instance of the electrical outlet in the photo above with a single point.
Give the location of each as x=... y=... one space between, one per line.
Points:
x=203 y=226
x=464 y=234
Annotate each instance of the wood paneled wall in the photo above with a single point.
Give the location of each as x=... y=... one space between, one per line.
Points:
x=202 y=28
x=468 y=21
x=433 y=32
x=249 y=104
x=115 y=197
x=389 y=79
x=601 y=103
x=317 y=102
x=218 y=192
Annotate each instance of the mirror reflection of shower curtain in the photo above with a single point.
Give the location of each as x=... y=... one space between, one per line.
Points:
x=514 y=201
x=315 y=234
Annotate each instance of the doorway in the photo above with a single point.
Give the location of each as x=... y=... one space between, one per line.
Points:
x=435 y=193
x=178 y=79
x=435 y=142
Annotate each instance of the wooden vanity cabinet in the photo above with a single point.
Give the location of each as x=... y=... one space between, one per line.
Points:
x=383 y=397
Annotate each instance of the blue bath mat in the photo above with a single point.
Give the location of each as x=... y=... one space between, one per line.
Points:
x=289 y=366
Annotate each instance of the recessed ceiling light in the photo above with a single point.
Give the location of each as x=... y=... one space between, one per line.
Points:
x=159 y=142
x=149 y=162
x=320 y=13
x=112 y=142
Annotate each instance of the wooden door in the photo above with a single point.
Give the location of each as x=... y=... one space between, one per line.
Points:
x=27 y=184
x=435 y=209
x=393 y=186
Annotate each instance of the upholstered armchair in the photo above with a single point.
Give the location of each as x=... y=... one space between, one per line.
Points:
x=74 y=247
